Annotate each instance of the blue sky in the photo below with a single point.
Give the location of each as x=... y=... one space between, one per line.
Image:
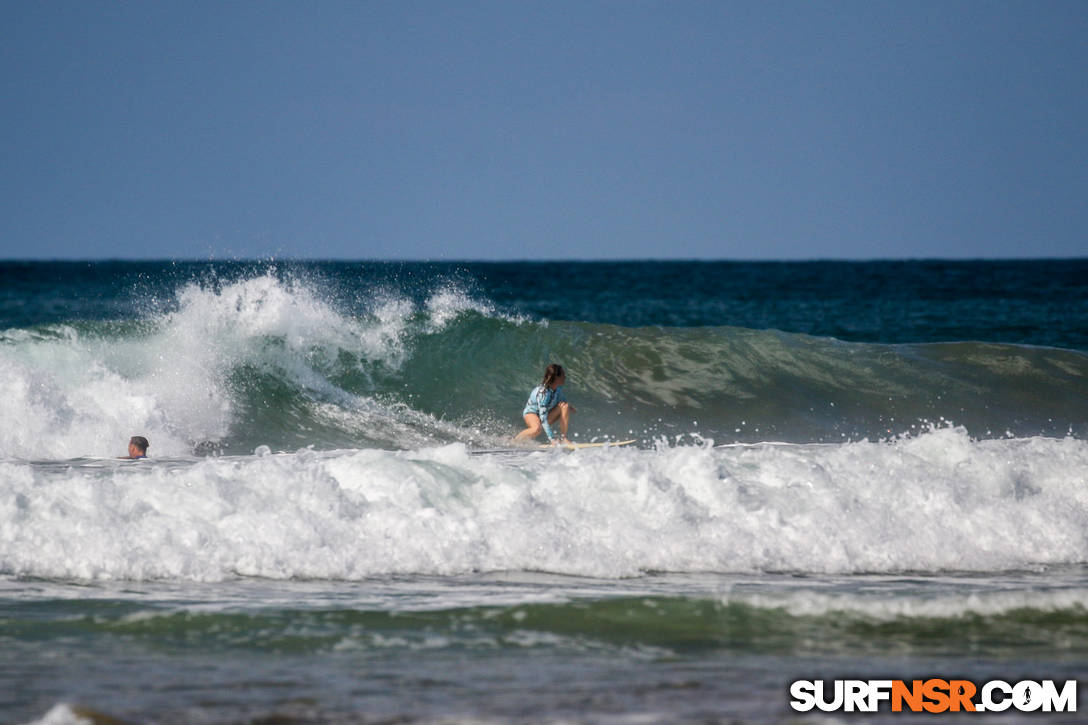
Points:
x=510 y=130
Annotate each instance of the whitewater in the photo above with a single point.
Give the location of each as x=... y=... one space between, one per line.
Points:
x=941 y=502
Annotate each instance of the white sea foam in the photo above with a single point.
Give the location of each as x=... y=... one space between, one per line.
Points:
x=447 y=303
x=62 y=714
x=888 y=603
x=937 y=502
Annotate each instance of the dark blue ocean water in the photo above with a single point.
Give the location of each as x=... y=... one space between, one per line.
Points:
x=1032 y=302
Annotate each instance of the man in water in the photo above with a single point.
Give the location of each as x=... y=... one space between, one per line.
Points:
x=137 y=447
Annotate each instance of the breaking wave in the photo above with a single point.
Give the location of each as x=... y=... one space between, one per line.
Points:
x=227 y=367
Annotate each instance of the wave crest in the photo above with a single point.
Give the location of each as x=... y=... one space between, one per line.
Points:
x=277 y=361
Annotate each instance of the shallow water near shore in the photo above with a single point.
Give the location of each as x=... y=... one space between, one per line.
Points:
x=521 y=647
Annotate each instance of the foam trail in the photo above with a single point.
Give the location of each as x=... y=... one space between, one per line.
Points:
x=889 y=606
x=937 y=502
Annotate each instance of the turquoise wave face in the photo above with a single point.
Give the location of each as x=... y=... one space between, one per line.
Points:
x=267 y=361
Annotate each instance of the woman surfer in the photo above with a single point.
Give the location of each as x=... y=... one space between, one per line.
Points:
x=547 y=404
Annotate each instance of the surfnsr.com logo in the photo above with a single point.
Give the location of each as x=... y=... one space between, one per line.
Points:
x=933 y=695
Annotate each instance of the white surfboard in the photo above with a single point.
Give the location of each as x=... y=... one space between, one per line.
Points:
x=561 y=447
x=579 y=446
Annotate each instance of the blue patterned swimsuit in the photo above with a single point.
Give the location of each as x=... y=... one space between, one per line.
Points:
x=541 y=402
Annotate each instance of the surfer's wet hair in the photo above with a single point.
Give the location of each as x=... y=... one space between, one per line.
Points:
x=140 y=442
x=552 y=373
